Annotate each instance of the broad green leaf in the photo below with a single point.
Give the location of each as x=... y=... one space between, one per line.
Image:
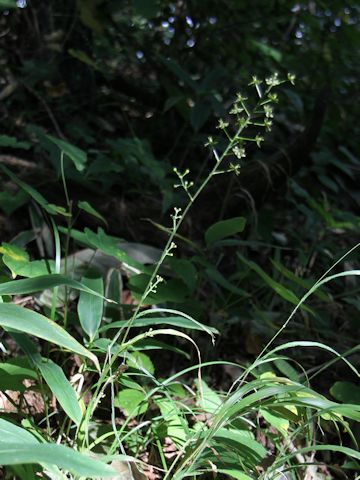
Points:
x=243 y=442
x=61 y=388
x=36 y=268
x=13 y=372
x=76 y=155
x=185 y=270
x=19 y=367
x=208 y=399
x=38 y=284
x=18 y=262
x=11 y=382
x=140 y=361
x=172 y=290
x=223 y=229
x=175 y=424
x=91 y=210
x=346 y=392
x=6 y=141
x=90 y=307
x=53 y=454
x=109 y=245
x=114 y=284
x=33 y=323
x=131 y=402
x=13 y=257
x=275 y=420
x=11 y=433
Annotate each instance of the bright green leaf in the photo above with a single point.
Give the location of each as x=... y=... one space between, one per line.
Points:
x=25 y=320
x=131 y=402
x=140 y=361
x=90 y=307
x=61 y=388
x=224 y=229
x=51 y=453
x=76 y=155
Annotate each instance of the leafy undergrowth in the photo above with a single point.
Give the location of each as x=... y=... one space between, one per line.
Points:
x=108 y=352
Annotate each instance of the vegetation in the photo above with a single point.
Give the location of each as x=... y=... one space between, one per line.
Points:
x=179 y=266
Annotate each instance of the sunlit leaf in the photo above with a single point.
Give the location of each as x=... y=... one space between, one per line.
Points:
x=33 y=323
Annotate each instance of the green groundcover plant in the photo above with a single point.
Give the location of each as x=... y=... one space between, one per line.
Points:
x=70 y=338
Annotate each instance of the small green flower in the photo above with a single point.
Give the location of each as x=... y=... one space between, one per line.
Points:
x=236 y=110
x=273 y=97
x=268 y=124
x=273 y=80
x=239 y=152
x=240 y=98
x=269 y=111
x=259 y=139
x=210 y=142
x=255 y=81
x=222 y=125
x=235 y=167
x=291 y=77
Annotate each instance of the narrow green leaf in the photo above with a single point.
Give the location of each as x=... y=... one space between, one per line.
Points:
x=224 y=229
x=51 y=453
x=235 y=474
x=179 y=322
x=91 y=210
x=61 y=388
x=5 y=140
x=38 y=284
x=76 y=155
x=277 y=287
x=34 y=194
x=33 y=323
x=90 y=307
x=305 y=283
